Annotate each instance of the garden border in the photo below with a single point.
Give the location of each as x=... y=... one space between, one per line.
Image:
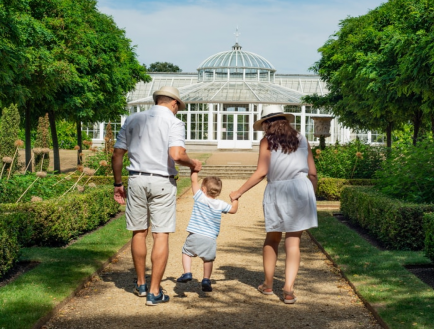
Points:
x=42 y=321
x=341 y=272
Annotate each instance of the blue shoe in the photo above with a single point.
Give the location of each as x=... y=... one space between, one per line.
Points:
x=153 y=300
x=140 y=290
x=185 y=277
x=206 y=285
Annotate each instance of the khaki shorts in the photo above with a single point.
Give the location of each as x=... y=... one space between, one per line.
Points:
x=151 y=200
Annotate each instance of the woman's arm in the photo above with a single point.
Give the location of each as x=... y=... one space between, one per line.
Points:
x=312 y=169
x=260 y=172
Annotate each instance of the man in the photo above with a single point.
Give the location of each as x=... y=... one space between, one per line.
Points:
x=155 y=140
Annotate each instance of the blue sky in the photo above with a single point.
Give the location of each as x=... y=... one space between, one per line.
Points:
x=287 y=33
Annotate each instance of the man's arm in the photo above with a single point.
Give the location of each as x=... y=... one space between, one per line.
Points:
x=194 y=182
x=117 y=162
x=179 y=155
x=234 y=207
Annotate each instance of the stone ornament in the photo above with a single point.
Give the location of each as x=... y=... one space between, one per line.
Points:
x=322 y=126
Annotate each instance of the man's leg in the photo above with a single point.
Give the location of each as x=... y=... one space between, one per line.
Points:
x=138 y=251
x=160 y=253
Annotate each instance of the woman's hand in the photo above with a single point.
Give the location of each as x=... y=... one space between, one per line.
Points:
x=235 y=195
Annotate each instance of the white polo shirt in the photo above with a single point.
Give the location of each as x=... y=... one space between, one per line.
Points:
x=147 y=136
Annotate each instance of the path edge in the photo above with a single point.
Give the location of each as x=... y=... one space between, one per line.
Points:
x=365 y=302
x=42 y=321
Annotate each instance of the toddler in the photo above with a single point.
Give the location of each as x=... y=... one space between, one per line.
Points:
x=204 y=227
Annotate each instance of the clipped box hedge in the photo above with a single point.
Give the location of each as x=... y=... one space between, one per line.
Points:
x=52 y=222
x=56 y=222
x=330 y=189
x=429 y=235
x=398 y=224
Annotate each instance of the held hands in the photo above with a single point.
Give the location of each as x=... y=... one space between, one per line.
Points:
x=235 y=195
x=120 y=195
x=197 y=165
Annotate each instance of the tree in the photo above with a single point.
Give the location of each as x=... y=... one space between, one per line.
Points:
x=163 y=67
x=76 y=64
x=363 y=67
x=43 y=141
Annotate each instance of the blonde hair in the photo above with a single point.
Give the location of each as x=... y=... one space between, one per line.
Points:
x=213 y=185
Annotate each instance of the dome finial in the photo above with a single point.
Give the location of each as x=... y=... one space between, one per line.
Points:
x=237 y=34
x=236 y=46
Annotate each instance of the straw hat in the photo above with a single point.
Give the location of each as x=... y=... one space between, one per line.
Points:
x=171 y=92
x=272 y=111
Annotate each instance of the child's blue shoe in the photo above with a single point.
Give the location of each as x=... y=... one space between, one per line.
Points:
x=185 y=277
x=206 y=285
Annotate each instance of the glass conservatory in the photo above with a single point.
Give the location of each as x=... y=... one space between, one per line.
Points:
x=225 y=97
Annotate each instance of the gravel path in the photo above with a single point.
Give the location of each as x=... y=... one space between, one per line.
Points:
x=324 y=299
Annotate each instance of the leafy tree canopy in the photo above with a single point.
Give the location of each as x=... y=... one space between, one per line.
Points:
x=163 y=67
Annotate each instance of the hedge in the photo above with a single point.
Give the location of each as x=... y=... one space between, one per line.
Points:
x=331 y=188
x=399 y=225
x=52 y=222
x=429 y=235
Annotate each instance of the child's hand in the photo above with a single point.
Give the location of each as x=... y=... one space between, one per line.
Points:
x=235 y=195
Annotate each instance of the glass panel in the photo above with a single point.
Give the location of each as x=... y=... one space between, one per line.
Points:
x=92 y=130
x=199 y=126
x=236 y=108
x=221 y=74
x=215 y=123
x=377 y=137
x=243 y=127
x=309 y=129
x=292 y=108
x=361 y=135
x=297 y=124
x=309 y=109
x=251 y=74
x=227 y=131
x=263 y=76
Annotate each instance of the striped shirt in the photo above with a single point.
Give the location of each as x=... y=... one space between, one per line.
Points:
x=207 y=214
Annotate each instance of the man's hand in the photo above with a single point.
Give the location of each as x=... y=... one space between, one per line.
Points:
x=197 y=165
x=120 y=195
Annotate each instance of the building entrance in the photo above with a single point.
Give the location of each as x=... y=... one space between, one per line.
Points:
x=234 y=131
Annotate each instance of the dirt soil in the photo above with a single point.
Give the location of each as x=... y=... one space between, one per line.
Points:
x=325 y=300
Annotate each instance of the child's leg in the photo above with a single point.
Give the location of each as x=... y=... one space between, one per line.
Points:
x=186 y=263
x=207 y=269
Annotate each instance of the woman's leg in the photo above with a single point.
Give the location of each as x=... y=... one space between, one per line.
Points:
x=270 y=251
x=292 y=248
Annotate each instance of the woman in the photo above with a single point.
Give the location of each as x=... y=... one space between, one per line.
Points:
x=289 y=202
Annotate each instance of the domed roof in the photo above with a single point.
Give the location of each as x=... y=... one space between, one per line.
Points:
x=236 y=58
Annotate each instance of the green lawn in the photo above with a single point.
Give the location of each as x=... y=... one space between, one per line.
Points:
x=399 y=297
x=61 y=270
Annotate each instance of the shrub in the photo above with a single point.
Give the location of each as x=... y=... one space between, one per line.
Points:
x=408 y=173
x=93 y=160
x=429 y=235
x=43 y=140
x=56 y=222
x=67 y=134
x=352 y=160
x=397 y=224
x=11 y=190
x=9 y=248
x=9 y=131
x=331 y=188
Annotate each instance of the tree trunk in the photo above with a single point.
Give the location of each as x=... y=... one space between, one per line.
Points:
x=28 y=128
x=389 y=135
x=416 y=125
x=79 y=143
x=56 y=156
x=432 y=124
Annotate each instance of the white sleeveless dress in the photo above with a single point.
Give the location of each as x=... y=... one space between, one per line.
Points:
x=289 y=199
